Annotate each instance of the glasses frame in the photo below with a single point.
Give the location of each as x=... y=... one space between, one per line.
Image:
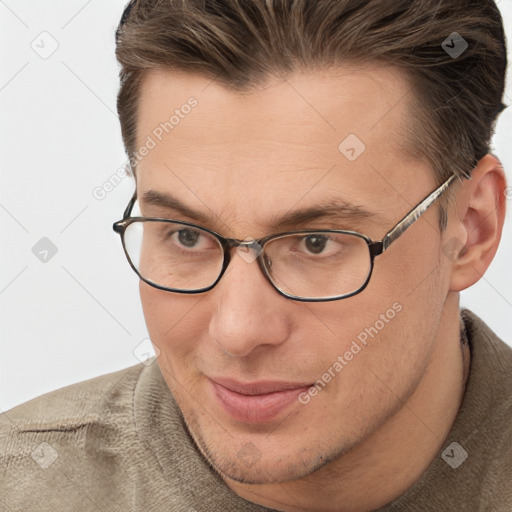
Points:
x=375 y=247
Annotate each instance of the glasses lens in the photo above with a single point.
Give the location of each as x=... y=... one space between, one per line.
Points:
x=318 y=265
x=174 y=255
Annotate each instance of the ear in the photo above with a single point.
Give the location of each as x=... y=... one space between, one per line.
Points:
x=475 y=223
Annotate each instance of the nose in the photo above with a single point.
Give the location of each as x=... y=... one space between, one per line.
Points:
x=247 y=312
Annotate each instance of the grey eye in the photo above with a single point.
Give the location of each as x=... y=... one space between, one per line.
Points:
x=316 y=243
x=188 y=237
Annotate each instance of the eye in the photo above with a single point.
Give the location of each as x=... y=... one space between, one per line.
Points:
x=178 y=237
x=193 y=240
x=315 y=244
x=188 y=237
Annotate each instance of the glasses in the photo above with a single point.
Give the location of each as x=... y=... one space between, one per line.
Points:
x=309 y=266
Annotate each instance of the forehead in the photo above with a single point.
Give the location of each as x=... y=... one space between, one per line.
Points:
x=277 y=142
x=358 y=99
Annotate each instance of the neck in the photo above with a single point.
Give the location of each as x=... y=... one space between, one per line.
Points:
x=397 y=454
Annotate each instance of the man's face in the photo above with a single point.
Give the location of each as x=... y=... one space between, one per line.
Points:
x=243 y=161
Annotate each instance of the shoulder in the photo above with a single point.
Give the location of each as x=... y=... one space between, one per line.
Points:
x=477 y=329
x=75 y=405
x=69 y=419
x=70 y=445
x=491 y=357
x=485 y=424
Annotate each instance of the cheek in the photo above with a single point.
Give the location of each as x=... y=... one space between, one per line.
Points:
x=175 y=327
x=391 y=326
x=155 y=306
x=173 y=322
x=382 y=363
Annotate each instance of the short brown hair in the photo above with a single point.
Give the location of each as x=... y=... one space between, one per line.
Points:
x=241 y=43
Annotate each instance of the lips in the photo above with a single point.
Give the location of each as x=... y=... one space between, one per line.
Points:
x=257 y=402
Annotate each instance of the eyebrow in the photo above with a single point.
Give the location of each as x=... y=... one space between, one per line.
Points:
x=334 y=210
x=154 y=198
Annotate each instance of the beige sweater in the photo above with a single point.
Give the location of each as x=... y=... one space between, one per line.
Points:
x=118 y=443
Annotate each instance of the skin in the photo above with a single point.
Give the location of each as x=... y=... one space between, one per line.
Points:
x=241 y=159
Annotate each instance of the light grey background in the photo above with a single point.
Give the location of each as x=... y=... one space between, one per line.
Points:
x=78 y=314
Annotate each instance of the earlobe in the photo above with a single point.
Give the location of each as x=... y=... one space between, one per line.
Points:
x=476 y=224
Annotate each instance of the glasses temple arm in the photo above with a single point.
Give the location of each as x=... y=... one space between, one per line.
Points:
x=415 y=214
x=129 y=207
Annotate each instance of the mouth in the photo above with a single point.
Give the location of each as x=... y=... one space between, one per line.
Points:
x=256 y=402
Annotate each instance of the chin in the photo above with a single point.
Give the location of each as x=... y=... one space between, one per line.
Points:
x=258 y=459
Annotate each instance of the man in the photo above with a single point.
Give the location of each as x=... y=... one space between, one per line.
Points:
x=313 y=190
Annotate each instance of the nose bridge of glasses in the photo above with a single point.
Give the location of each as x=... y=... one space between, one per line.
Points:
x=250 y=250
x=244 y=245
